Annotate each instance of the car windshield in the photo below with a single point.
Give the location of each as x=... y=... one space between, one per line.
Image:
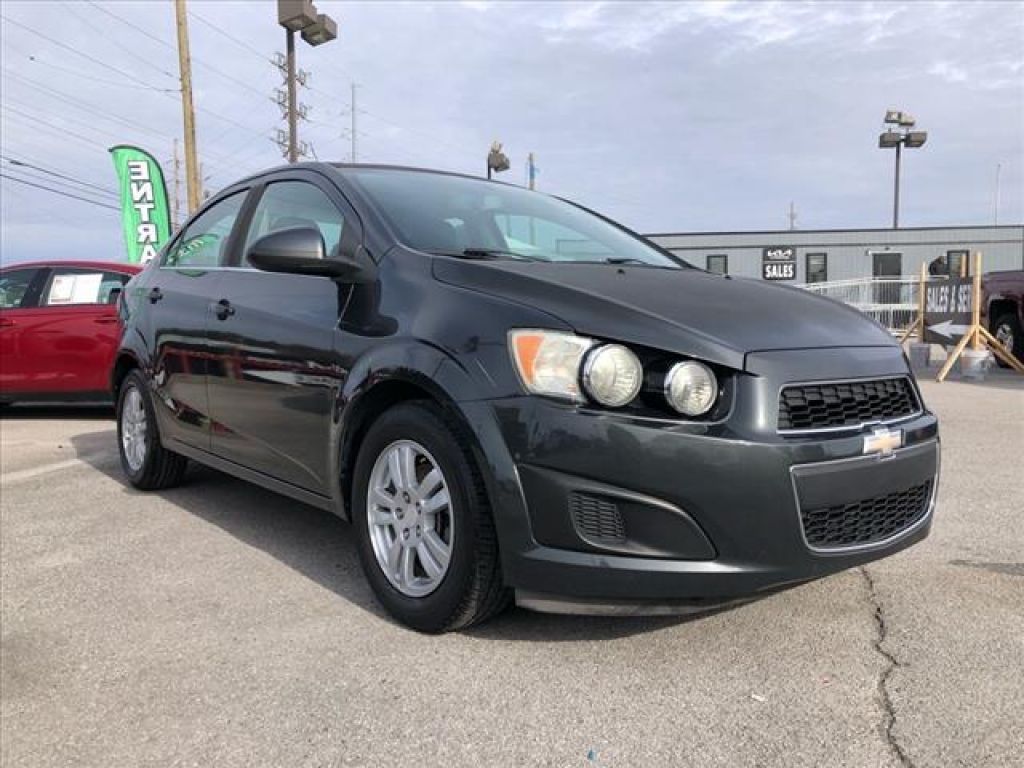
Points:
x=474 y=218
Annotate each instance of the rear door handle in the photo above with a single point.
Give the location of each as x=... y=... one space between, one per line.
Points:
x=223 y=309
x=106 y=319
x=6 y=322
x=155 y=294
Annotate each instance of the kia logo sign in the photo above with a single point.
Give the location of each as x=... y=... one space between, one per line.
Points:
x=778 y=263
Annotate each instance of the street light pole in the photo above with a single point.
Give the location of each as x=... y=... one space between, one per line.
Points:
x=896 y=189
x=316 y=29
x=896 y=139
x=293 y=121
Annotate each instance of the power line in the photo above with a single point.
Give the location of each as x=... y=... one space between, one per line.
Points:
x=232 y=38
x=63 y=185
x=114 y=83
x=165 y=43
x=50 y=171
x=58 y=192
x=66 y=47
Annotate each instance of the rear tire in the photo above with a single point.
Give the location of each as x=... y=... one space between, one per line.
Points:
x=148 y=465
x=1007 y=330
x=467 y=588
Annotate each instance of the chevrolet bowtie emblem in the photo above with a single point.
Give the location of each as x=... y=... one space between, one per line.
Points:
x=883 y=441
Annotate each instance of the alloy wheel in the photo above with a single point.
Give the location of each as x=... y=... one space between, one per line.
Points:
x=410 y=518
x=1004 y=335
x=133 y=429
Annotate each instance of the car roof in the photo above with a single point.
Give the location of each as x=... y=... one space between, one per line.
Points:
x=111 y=266
x=342 y=168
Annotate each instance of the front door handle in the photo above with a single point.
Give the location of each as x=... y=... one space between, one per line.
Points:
x=155 y=294
x=6 y=322
x=223 y=309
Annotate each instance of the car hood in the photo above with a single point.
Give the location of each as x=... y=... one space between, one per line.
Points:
x=687 y=311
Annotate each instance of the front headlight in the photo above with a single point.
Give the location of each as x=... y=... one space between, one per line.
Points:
x=612 y=375
x=549 y=362
x=691 y=388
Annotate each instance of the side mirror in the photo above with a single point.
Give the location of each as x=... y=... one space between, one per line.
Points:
x=301 y=251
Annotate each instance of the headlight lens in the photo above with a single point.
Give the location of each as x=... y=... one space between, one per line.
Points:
x=691 y=388
x=549 y=361
x=612 y=375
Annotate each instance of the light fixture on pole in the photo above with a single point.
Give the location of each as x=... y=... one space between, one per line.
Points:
x=898 y=138
x=497 y=161
x=316 y=29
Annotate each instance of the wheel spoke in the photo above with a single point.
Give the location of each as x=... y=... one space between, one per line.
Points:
x=408 y=462
x=394 y=554
x=439 y=552
x=433 y=568
x=407 y=574
x=436 y=502
x=380 y=516
x=430 y=483
x=381 y=498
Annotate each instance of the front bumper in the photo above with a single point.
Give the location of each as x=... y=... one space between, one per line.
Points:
x=709 y=513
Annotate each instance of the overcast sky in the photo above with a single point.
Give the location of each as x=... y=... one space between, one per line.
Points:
x=669 y=117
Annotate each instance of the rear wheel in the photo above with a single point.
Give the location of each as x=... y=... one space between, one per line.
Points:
x=148 y=465
x=423 y=523
x=1007 y=331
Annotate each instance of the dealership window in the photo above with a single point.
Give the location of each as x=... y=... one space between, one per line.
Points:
x=956 y=261
x=718 y=263
x=817 y=267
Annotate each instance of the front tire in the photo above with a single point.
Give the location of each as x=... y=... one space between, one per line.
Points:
x=423 y=523
x=1006 y=329
x=148 y=465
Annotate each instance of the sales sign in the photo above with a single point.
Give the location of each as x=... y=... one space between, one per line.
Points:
x=778 y=263
x=947 y=310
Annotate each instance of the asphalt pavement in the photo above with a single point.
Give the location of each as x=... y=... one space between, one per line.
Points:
x=218 y=624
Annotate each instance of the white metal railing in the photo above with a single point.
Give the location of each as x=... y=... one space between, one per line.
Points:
x=893 y=302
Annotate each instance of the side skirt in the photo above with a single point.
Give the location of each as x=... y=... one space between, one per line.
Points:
x=252 y=476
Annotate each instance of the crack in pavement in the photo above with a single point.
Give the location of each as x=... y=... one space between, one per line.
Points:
x=883 y=680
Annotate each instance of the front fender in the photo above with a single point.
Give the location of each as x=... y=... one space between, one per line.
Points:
x=438 y=375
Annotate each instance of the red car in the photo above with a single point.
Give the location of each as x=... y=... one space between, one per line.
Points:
x=59 y=329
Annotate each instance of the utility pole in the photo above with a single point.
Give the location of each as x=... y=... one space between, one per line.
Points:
x=176 y=207
x=531 y=171
x=185 y=71
x=792 y=216
x=353 y=122
x=287 y=100
x=293 y=130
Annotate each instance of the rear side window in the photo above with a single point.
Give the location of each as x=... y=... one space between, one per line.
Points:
x=204 y=243
x=14 y=288
x=70 y=287
x=291 y=204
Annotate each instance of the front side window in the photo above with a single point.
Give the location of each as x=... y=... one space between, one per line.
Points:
x=204 y=242
x=70 y=287
x=291 y=204
x=14 y=287
x=444 y=214
x=817 y=267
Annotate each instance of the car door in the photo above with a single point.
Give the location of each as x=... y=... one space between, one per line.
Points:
x=272 y=400
x=19 y=294
x=74 y=332
x=177 y=297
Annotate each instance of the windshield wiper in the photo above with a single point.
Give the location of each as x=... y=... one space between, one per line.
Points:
x=495 y=253
x=627 y=260
x=487 y=253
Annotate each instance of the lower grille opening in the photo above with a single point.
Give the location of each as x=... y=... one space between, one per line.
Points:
x=867 y=521
x=596 y=518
